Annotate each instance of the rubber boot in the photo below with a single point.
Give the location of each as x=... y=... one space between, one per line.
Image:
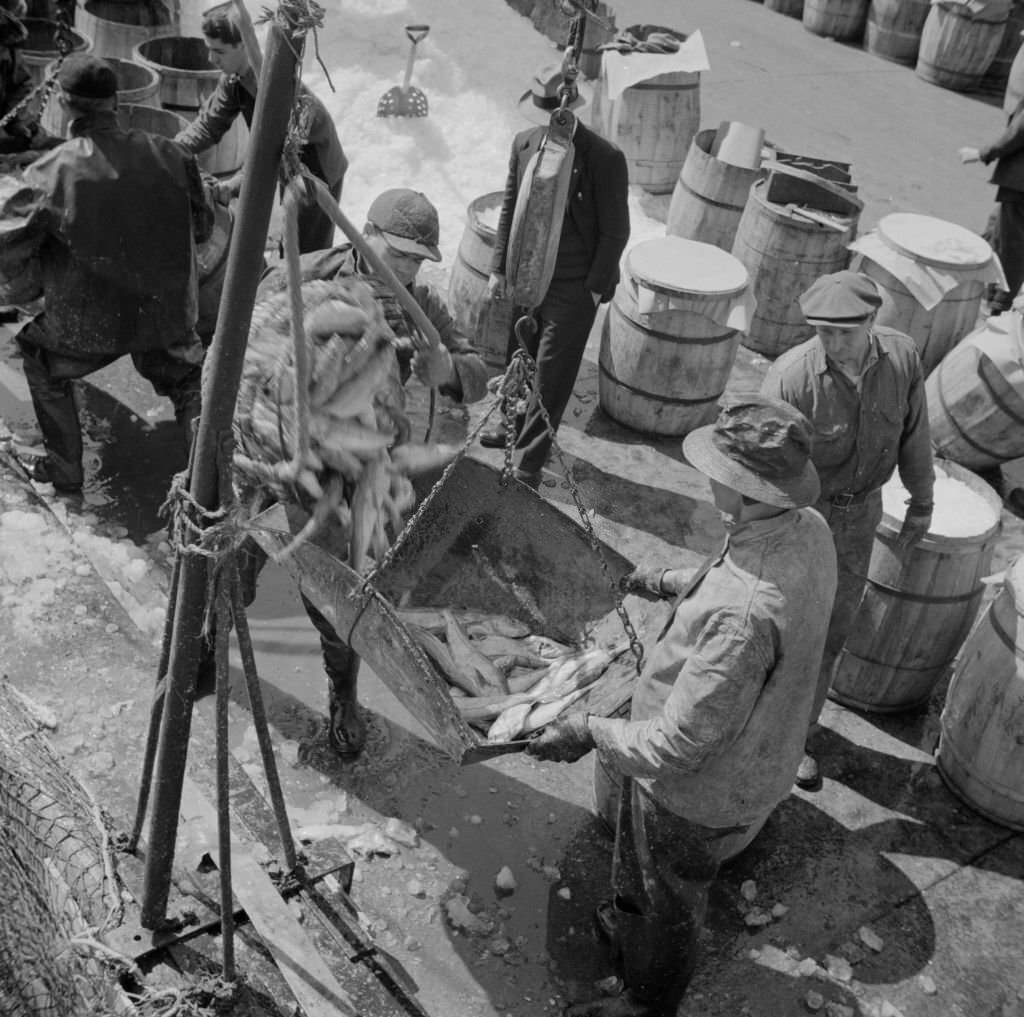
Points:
x=346 y=729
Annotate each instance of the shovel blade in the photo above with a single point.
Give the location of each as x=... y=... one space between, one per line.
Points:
x=402 y=102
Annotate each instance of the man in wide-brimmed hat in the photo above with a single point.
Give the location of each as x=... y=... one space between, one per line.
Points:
x=862 y=388
x=720 y=711
x=592 y=236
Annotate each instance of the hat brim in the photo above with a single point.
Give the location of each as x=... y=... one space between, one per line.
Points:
x=542 y=117
x=701 y=453
x=429 y=251
x=838 y=322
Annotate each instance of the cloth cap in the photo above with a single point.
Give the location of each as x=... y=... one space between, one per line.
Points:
x=88 y=77
x=842 y=299
x=542 y=98
x=760 y=447
x=408 y=221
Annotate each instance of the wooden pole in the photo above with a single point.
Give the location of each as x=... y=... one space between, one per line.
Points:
x=224 y=371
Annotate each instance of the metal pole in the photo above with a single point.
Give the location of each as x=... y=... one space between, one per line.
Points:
x=224 y=371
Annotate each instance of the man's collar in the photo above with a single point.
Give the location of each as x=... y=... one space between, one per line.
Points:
x=820 y=361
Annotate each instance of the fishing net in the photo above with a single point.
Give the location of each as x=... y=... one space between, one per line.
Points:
x=58 y=887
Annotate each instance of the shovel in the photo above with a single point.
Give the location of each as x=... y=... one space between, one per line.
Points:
x=406 y=100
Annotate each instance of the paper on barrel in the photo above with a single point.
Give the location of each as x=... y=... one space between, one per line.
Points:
x=622 y=70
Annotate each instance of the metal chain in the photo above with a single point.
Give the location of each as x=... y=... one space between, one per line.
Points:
x=46 y=87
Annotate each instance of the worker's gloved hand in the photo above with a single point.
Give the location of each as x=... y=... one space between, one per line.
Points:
x=433 y=366
x=644 y=579
x=564 y=741
x=915 y=526
x=496 y=286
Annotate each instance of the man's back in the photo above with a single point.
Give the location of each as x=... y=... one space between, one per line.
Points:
x=119 y=210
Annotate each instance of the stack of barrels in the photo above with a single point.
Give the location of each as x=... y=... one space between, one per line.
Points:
x=957 y=45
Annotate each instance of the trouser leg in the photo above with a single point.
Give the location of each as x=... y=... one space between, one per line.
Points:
x=1011 y=243
x=662 y=872
x=565 y=319
x=176 y=373
x=853 y=531
x=49 y=376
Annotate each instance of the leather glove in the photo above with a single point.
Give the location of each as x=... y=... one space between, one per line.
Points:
x=564 y=741
x=433 y=366
x=916 y=523
x=644 y=579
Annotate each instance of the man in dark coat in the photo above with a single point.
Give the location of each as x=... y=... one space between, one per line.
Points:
x=594 y=232
x=119 y=213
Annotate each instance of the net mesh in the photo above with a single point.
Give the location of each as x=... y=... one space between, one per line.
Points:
x=58 y=889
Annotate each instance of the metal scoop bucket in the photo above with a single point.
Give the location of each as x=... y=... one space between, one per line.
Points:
x=406 y=100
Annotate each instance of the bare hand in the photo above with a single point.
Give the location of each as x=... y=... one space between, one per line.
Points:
x=433 y=366
x=496 y=286
x=644 y=579
x=564 y=741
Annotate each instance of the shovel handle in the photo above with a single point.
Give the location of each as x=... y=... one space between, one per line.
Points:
x=416 y=33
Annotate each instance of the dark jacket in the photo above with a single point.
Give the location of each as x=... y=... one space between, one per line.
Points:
x=322 y=154
x=119 y=211
x=1008 y=151
x=598 y=203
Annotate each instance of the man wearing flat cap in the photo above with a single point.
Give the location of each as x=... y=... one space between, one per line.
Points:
x=593 y=232
x=117 y=214
x=862 y=388
x=720 y=712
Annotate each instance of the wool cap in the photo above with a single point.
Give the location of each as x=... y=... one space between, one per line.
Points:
x=87 y=77
x=760 y=447
x=841 y=299
x=542 y=98
x=408 y=221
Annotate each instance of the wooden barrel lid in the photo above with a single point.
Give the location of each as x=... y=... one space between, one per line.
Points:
x=934 y=241
x=675 y=265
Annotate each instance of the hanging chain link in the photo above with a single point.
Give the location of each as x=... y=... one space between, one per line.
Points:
x=62 y=42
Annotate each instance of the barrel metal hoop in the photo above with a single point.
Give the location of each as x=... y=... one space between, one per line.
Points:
x=709 y=201
x=1004 y=637
x=657 y=396
x=921 y=598
x=645 y=87
x=901 y=667
x=473 y=270
x=671 y=337
x=997 y=399
x=965 y=437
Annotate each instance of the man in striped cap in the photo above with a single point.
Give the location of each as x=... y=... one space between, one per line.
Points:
x=862 y=388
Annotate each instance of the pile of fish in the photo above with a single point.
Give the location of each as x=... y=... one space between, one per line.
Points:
x=353 y=471
x=505 y=680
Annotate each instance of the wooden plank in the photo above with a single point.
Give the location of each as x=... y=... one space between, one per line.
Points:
x=787 y=185
x=311 y=981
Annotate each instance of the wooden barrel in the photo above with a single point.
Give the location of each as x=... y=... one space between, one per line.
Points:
x=488 y=323
x=40 y=51
x=187 y=79
x=930 y=244
x=783 y=255
x=137 y=85
x=653 y=122
x=957 y=50
x=665 y=353
x=997 y=76
x=981 y=747
x=164 y=122
x=211 y=265
x=894 y=29
x=976 y=397
x=918 y=608
x=116 y=27
x=710 y=195
x=836 y=19
x=791 y=8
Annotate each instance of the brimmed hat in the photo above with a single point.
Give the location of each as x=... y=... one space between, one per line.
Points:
x=760 y=447
x=87 y=77
x=841 y=299
x=542 y=98
x=408 y=221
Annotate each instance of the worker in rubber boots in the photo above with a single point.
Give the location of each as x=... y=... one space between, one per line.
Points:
x=594 y=232
x=235 y=94
x=403 y=229
x=117 y=214
x=720 y=711
x=862 y=388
